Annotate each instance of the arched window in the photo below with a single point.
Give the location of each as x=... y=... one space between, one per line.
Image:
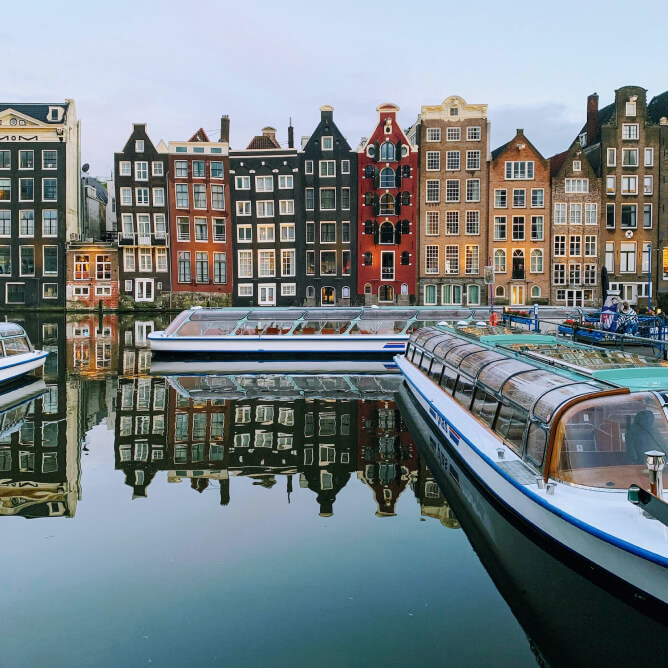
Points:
x=367 y=288
x=368 y=199
x=387 y=177
x=500 y=291
x=368 y=258
x=535 y=292
x=500 y=261
x=536 y=261
x=405 y=258
x=385 y=293
x=404 y=288
x=387 y=233
x=387 y=151
x=368 y=227
x=387 y=205
x=310 y=292
x=368 y=171
x=345 y=292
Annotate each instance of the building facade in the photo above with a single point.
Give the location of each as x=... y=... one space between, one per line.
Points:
x=576 y=230
x=387 y=204
x=268 y=229
x=519 y=227
x=328 y=169
x=454 y=157
x=199 y=220
x=140 y=177
x=92 y=275
x=39 y=201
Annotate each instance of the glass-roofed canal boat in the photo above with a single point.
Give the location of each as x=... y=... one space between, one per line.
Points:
x=295 y=332
x=17 y=355
x=569 y=439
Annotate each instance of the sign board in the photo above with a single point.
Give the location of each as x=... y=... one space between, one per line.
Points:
x=489 y=275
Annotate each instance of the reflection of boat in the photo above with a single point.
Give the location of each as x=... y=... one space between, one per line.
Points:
x=286 y=386
x=17 y=356
x=553 y=431
x=563 y=605
x=294 y=331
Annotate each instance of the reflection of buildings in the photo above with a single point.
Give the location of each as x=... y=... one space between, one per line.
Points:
x=431 y=499
x=387 y=457
x=92 y=345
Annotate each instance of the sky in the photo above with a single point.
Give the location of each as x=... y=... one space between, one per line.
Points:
x=179 y=66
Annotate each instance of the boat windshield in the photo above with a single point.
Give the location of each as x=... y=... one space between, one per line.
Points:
x=601 y=442
x=322 y=327
x=16 y=345
x=256 y=327
x=11 y=329
x=366 y=325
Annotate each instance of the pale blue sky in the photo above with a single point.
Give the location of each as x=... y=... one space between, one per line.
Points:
x=178 y=66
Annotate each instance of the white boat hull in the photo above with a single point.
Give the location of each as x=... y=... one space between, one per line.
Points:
x=280 y=345
x=16 y=366
x=572 y=517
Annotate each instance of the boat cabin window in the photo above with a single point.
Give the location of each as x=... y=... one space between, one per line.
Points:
x=464 y=391
x=472 y=364
x=177 y=322
x=322 y=327
x=601 y=442
x=510 y=424
x=496 y=374
x=484 y=406
x=448 y=380
x=383 y=326
x=16 y=345
x=436 y=369
x=549 y=402
x=425 y=362
x=536 y=444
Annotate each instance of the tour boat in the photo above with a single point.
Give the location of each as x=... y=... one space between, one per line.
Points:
x=295 y=332
x=17 y=356
x=569 y=439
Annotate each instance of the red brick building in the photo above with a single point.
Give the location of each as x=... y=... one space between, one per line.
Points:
x=387 y=201
x=92 y=275
x=199 y=196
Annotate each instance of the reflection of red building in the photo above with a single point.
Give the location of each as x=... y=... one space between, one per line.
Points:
x=200 y=232
x=388 y=458
x=387 y=200
x=92 y=345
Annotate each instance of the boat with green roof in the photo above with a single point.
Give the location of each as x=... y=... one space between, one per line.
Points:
x=569 y=438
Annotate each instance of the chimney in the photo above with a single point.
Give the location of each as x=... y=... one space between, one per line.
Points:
x=225 y=128
x=592 y=117
x=291 y=135
x=269 y=132
x=520 y=131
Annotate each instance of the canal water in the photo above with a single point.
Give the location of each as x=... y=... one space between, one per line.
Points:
x=235 y=519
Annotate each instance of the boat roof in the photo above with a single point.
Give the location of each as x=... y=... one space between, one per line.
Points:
x=9 y=329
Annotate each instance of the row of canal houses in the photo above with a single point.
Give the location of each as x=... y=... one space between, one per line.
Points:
x=408 y=216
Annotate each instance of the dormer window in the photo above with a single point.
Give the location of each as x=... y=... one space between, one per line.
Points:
x=55 y=114
x=139 y=146
x=454 y=111
x=583 y=139
x=327 y=143
x=631 y=107
x=577 y=166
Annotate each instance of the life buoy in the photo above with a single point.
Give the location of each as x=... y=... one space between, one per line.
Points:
x=493 y=319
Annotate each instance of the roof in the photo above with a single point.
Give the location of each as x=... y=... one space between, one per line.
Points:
x=658 y=107
x=200 y=135
x=556 y=161
x=604 y=116
x=39 y=111
x=100 y=190
x=260 y=142
x=498 y=151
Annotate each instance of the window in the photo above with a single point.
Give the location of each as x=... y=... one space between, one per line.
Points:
x=518 y=228
x=387 y=151
x=591 y=214
x=537 y=228
x=141 y=195
x=473 y=133
x=472 y=190
x=26 y=159
x=519 y=170
x=387 y=205
x=452 y=259
x=345 y=267
x=327 y=143
x=345 y=198
x=473 y=295
x=629 y=185
x=433 y=223
x=157 y=168
x=577 y=165
x=500 y=228
x=139 y=145
x=647 y=216
x=575 y=245
x=328 y=233
x=452 y=160
x=629 y=220
x=610 y=256
x=217 y=196
x=266 y=263
x=559 y=214
x=310 y=262
x=285 y=182
x=102 y=267
x=184 y=270
x=242 y=182
x=264 y=184
x=6 y=224
x=286 y=207
x=327 y=167
x=387 y=266
x=245 y=263
x=648 y=185
x=345 y=232
x=141 y=170
x=430 y=295
x=649 y=157
x=181 y=169
x=576 y=185
x=216 y=170
x=288 y=262
x=202 y=267
x=201 y=229
x=5 y=261
x=244 y=233
x=631 y=108
x=611 y=157
x=590 y=245
x=327 y=199
x=308 y=167
x=629 y=131
x=536 y=266
x=265 y=233
x=182 y=201
x=387 y=178
x=473 y=222
x=610 y=186
x=345 y=166
x=183 y=228
x=433 y=161
x=50 y=291
x=500 y=261
x=433 y=134
x=501 y=199
x=451 y=294
x=128 y=260
x=452 y=190
x=627 y=257
x=5 y=190
x=574 y=274
x=199 y=195
x=629 y=157
x=27 y=224
x=560 y=245
x=452 y=222
x=244 y=208
x=310 y=199
x=590 y=274
x=15 y=293
x=576 y=214
x=219 y=231
x=537 y=198
x=431 y=260
x=610 y=216
x=27 y=260
x=559 y=274
x=328 y=263
x=126 y=196
x=472 y=259
x=433 y=191
x=288 y=290
x=265 y=209
x=472 y=160
x=26 y=190
x=161 y=261
x=5 y=159
x=519 y=198
x=453 y=134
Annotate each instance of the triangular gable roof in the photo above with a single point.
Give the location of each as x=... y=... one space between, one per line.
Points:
x=556 y=161
x=334 y=129
x=30 y=120
x=35 y=112
x=139 y=131
x=520 y=133
x=200 y=135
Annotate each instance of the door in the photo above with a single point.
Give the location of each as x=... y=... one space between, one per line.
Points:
x=574 y=297
x=328 y=296
x=144 y=229
x=517 y=295
x=267 y=295
x=144 y=289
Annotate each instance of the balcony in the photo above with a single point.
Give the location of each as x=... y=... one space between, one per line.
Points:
x=134 y=239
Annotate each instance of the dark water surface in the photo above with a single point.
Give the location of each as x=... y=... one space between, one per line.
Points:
x=270 y=521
